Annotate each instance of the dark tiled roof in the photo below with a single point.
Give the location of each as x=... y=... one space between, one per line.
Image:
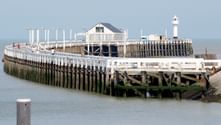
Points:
x=111 y=27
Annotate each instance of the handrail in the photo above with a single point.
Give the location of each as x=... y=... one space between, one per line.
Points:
x=26 y=52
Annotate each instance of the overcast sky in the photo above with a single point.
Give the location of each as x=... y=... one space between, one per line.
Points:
x=198 y=18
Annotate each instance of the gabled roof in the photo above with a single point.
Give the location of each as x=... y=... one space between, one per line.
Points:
x=111 y=27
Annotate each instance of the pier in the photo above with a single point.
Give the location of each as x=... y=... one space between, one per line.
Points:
x=115 y=76
x=107 y=62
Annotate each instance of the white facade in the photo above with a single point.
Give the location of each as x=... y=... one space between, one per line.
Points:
x=105 y=32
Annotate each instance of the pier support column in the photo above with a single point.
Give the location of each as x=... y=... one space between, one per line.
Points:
x=178 y=80
x=75 y=76
x=65 y=76
x=43 y=72
x=46 y=67
x=160 y=82
x=47 y=72
x=103 y=80
x=84 y=78
x=78 y=77
x=88 y=79
x=125 y=92
x=51 y=73
x=38 y=72
x=81 y=82
x=100 y=79
x=178 y=75
x=96 y=79
x=62 y=75
x=144 y=82
x=107 y=81
x=93 y=72
x=56 y=75
x=114 y=84
x=71 y=76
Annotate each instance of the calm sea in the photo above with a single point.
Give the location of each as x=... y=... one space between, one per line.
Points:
x=57 y=106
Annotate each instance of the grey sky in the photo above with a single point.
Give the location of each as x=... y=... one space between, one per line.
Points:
x=198 y=18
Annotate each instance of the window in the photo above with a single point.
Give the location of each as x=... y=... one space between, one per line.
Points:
x=100 y=29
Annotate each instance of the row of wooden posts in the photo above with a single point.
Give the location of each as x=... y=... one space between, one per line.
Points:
x=98 y=79
x=90 y=78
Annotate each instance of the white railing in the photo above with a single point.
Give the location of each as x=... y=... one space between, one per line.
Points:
x=54 y=44
x=111 y=63
x=212 y=63
x=158 y=64
x=58 y=58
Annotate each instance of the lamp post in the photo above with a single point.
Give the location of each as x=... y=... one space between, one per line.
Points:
x=48 y=36
x=70 y=34
x=37 y=39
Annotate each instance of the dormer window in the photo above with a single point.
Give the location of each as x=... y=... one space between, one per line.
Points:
x=99 y=29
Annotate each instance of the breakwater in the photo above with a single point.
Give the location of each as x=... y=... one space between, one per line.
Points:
x=156 y=77
x=93 y=79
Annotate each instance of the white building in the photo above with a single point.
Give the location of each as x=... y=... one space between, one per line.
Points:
x=105 y=32
x=156 y=38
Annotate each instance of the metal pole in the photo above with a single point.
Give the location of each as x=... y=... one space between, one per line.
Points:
x=48 y=36
x=23 y=111
x=56 y=34
x=101 y=49
x=29 y=35
x=32 y=36
x=88 y=48
x=45 y=34
x=88 y=45
x=45 y=40
x=64 y=40
x=75 y=37
x=56 y=38
x=70 y=34
x=37 y=38
x=125 y=38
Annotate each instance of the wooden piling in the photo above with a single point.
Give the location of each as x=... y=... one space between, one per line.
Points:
x=91 y=78
x=84 y=78
x=75 y=76
x=78 y=78
x=71 y=76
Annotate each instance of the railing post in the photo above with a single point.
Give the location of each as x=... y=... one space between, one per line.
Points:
x=23 y=111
